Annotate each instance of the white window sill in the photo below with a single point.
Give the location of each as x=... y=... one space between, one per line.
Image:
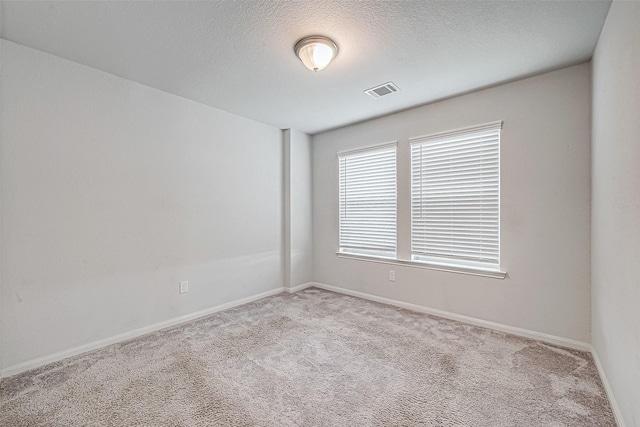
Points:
x=473 y=271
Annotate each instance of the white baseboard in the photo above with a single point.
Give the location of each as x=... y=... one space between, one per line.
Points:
x=44 y=360
x=300 y=287
x=617 y=414
x=538 y=336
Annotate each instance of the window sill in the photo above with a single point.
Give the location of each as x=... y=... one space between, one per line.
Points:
x=495 y=274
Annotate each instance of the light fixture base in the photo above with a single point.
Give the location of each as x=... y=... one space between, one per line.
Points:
x=316 y=52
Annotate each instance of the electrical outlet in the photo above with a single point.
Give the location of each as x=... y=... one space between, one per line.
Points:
x=184 y=287
x=392 y=276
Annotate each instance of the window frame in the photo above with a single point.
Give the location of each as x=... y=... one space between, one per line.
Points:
x=457 y=136
x=368 y=252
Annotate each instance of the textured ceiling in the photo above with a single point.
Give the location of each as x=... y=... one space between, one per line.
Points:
x=238 y=55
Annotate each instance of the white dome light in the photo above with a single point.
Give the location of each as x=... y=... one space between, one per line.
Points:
x=316 y=52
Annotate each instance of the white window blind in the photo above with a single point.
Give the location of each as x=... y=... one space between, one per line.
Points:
x=368 y=201
x=455 y=197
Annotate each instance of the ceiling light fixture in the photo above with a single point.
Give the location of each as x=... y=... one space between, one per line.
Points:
x=316 y=52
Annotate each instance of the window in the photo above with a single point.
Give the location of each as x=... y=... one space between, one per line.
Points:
x=455 y=197
x=368 y=201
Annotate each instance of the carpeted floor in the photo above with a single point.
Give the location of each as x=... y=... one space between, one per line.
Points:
x=314 y=358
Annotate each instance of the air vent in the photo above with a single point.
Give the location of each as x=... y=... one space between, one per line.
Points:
x=382 y=90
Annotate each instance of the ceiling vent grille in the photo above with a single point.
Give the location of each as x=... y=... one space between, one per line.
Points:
x=382 y=90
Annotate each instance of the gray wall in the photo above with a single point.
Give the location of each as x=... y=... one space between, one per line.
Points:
x=112 y=193
x=297 y=231
x=616 y=205
x=545 y=206
x=301 y=215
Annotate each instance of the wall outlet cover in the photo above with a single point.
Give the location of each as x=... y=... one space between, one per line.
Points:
x=184 y=287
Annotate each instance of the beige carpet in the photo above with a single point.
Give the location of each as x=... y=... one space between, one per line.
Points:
x=314 y=358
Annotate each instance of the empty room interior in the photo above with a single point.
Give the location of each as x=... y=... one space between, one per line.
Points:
x=320 y=213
